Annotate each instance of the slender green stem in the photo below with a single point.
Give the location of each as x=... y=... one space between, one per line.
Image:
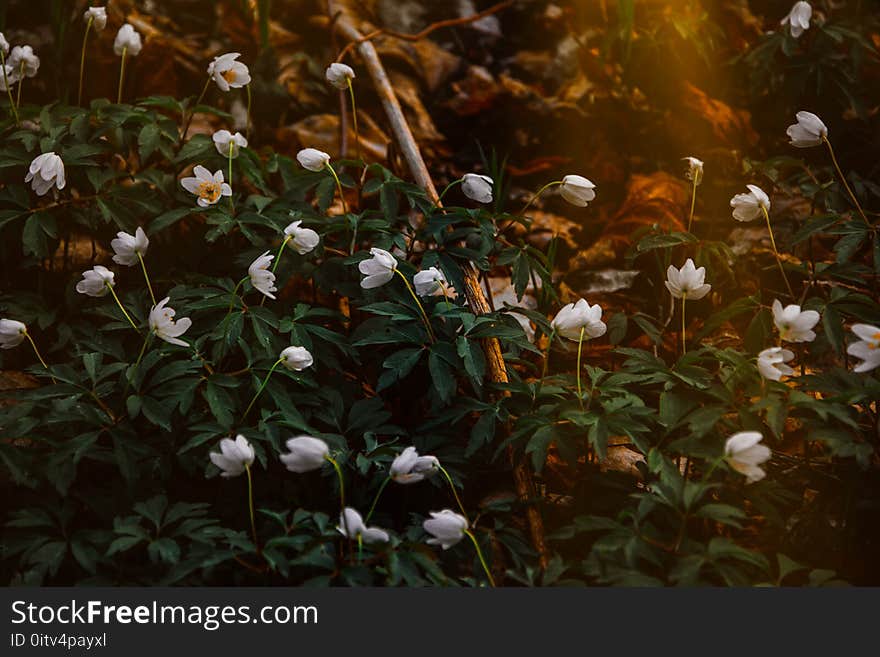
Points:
x=538 y=195
x=82 y=60
x=342 y=517
x=193 y=112
x=376 y=499
x=37 y=352
x=448 y=187
x=287 y=238
x=20 y=84
x=776 y=251
x=419 y=304
x=580 y=350
x=234 y=296
x=714 y=465
x=121 y=307
x=121 y=75
x=231 y=203
x=683 y=326
x=693 y=203
x=147 y=278
x=480 y=556
x=251 y=505
x=8 y=90
x=843 y=180
x=143 y=349
x=247 y=126
x=338 y=186
x=261 y=388
x=354 y=118
x=454 y=492
x=360 y=548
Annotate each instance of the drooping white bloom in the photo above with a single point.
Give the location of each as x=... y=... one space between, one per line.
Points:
x=377 y=270
x=574 y=317
x=306 y=454
x=477 y=187
x=46 y=171
x=744 y=454
x=23 y=61
x=235 y=456
x=687 y=282
x=429 y=282
x=304 y=240
x=11 y=77
x=409 y=468
x=772 y=363
x=794 y=325
x=12 y=333
x=229 y=73
x=98 y=16
x=339 y=75
x=798 y=19
x=163 y=325
x=296 y=359
x=352 y=526
x=96 y=282
x=808 y=131
x=867 y=349
x=447 y=528
x=261 y=278
x=209 y=188
x=747 y=207
x=224 y=141
x=313 y=159
x=4 y=44
x=695 y=170
x=127 y=247
x=128 y=40
x=577 y=190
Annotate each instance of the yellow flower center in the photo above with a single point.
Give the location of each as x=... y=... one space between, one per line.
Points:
x=210 y=191
x=228 y=75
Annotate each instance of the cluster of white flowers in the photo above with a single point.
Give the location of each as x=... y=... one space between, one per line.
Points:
x=21 y=63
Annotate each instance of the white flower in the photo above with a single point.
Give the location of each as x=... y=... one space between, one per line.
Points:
x=446 y=526
x=867 y=349
x=577 y=190
x=313 y=159
x=377 y=270
x=4 y=44
x=798 y=19
x=576 y=316
x=24 y=55
x=225 y=140
x=351 y=525
x=808 y=131
x=772 y=363
x=306 y=454
x=98 y=16
x=208 y=188
x=304 y=239
x=695 y=170
x=128 y=247
x=127 y=39
x=229 y=73
x=429 y=282
x=163 y=325
x=11 y=77
x=477 y=187
x=12 y=333
x=794 y=325
x=409 y=468
x=96 y=282
x=235 y=456
x=687 y=282
x=747 y=207
x=261 y=278
x=339 y=75
x=296 y=359
x=744 y=454
x=46 y=171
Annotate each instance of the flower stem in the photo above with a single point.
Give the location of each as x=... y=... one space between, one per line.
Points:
x=683 y=325
x=193 y=112
x=342 y=517
x=247 y=125
x=693 y=203
x=354 y=119
x=419 y=304
x=480 y=556
x=580 y=349
x=20 y=84
x=260 y=390
x=776 y=251
x=376 y=499
x=82 y=60
x=448 y=187
x=8 y=90
x=231 y=203
x=843 y=179
x=122 y=308
x=234 y=296
x=37 y=352
x=538 y=195
x=147 y=277
x=454 y=492
x=121 y=76
x=287 y=238
x=339 y=187
x=251 y=505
